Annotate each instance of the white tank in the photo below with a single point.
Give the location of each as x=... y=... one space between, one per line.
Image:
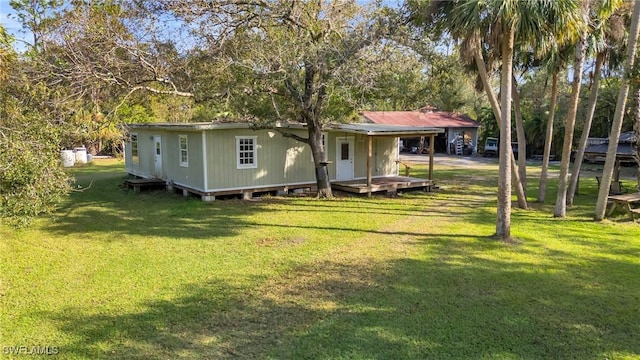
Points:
x=81 y=155
x=68 y=158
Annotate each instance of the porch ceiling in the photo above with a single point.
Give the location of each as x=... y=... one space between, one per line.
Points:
x=386 y=130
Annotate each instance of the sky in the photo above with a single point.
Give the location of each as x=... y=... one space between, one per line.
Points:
x=12 y=26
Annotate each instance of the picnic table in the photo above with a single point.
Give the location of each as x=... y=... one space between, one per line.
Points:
x=624 y=201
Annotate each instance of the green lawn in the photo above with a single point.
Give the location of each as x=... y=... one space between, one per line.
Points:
x=153 y=275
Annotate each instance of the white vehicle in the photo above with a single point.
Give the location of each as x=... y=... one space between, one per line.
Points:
x=491 y=147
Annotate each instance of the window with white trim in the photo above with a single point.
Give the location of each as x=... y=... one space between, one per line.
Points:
x=135 y=158
x=246 y=154
x=184 y=150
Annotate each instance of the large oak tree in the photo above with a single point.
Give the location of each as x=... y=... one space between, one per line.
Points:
x=287 y=60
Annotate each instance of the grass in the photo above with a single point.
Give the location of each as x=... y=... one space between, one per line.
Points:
x=157 y=276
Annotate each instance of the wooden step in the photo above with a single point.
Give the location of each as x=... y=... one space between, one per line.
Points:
x=139 y=184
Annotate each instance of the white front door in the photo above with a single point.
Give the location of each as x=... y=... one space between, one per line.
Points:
x=157 y=156
x=344 y=158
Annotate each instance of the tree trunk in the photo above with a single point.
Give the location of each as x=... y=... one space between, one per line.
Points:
x=616 y=126
x=522 y=139
x=482 y=70
x=636 y=128
x=563 y=181
x=319 y=159
x=421 y=145
x=503 y=223
x=548 y=140
x=591 y=108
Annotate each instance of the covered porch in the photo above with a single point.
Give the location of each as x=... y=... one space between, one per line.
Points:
x=389 y=184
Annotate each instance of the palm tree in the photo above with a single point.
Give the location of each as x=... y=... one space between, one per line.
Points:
x=548 y=139
x=636 y=129
x=553 y=62
x=506 y=24
x=521 y=137
x=616 y=126
x=591 y=108
x=473 y=46
x=503 y=225
x=570 y=122
x=602 y=34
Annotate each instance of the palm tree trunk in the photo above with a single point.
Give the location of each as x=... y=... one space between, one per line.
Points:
x=636 y=129
x=563 y=182
x=484 y=76
x=522 y=139
x=542 y=190
x=591 y=108
x=503 y=223
x=616 y=126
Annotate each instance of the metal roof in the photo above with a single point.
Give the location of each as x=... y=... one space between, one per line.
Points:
x=625 y=146
x=437 y=119
x=358 y=128
x=624 y=150
x=204 y=125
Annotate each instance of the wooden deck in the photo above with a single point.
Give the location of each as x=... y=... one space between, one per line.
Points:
x=388 y=184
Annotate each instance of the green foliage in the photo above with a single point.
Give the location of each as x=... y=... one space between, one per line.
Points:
x=135 y=114
x=535 y=94
x=164 y=109
x=32 y=181
x=412 y=77
x=605 y=108
x=489 y=125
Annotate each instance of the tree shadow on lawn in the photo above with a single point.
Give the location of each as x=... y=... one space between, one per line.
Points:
x=447 y=209
x=215 y=320
x=444 y=308
x=165 y=215
x=106 y=208
x=434 y=307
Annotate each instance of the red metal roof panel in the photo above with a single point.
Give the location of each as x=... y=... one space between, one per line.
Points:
x=440 y=119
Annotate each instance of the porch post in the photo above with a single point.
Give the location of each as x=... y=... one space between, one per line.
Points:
x=432 y=138
x=369 y=154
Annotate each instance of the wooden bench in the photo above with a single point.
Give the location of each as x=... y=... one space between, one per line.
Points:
x=624 y=202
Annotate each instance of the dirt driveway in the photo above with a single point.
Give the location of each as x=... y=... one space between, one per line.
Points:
x=588 y=170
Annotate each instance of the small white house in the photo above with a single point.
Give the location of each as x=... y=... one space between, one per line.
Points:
x=213 y=159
